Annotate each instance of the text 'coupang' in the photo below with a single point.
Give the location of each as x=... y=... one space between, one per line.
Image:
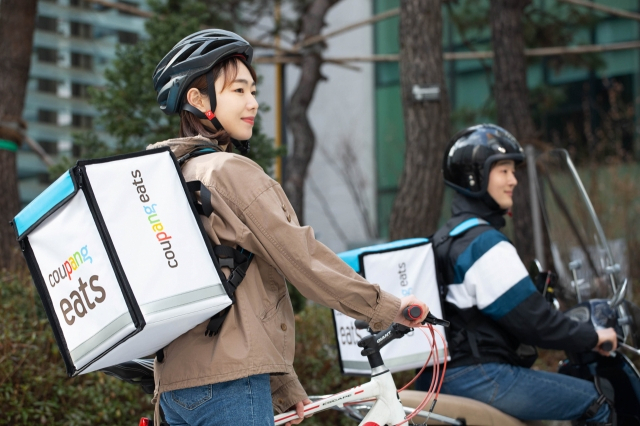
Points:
x=157 y=226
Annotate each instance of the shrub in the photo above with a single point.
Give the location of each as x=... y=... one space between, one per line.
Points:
x=34 y=387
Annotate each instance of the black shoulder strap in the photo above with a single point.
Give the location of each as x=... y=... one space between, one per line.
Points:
x=195 y=153
x=237 y=260
x=443 y=240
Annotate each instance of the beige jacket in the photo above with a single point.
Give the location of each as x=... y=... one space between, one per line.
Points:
x=252 y=210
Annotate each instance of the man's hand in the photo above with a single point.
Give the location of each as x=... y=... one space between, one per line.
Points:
x=411 y=300
x=299 y=407
x=606 y=335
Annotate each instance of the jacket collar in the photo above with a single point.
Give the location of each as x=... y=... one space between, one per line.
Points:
x=485 y=208
x=183 y=146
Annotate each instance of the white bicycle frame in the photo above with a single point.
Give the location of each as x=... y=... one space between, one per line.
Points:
x=386 y=410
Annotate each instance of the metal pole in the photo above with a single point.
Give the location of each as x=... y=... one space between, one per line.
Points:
x=535 y=205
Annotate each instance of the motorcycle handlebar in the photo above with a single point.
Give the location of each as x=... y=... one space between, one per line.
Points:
x=606 y=346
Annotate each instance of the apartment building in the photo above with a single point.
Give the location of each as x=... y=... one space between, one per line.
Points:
x=74 y=42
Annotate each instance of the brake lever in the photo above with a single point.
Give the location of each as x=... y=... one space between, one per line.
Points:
x=431 y=319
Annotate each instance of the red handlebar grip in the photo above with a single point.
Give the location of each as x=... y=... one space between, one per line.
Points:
x=412 y=312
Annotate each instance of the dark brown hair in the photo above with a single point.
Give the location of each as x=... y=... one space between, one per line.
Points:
x=190 y=125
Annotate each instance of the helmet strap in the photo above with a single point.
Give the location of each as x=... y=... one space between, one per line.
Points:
x=211 y=91
x=210 y=114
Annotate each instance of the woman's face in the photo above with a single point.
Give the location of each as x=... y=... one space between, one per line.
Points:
x=502 y=180
x=236 y=105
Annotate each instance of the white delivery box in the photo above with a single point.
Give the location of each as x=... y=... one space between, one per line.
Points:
x=401 y=268
x=120 y=259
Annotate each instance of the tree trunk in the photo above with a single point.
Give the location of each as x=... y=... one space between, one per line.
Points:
x=417 y=206
x=512 y=102
x=304 y=139
x=17 y=22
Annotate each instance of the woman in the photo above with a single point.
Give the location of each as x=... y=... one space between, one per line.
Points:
x=494 y=308
x=244 y=372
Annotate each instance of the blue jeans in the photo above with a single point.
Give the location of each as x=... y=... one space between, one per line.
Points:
x=245 y=401
x=520 y=392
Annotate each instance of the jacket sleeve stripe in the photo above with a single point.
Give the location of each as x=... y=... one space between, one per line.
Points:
x=495 y=273
x=510 y=299
x=477 y=249
x=489 y=278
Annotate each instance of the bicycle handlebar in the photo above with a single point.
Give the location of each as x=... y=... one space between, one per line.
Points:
x=413 y=312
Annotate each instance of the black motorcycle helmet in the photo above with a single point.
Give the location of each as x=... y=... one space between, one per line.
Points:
x=470 y=154
x=190 y=58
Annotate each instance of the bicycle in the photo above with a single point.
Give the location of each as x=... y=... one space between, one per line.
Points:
x=379 y=396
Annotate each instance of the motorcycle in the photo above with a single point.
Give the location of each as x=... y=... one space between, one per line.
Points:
x=589 y=284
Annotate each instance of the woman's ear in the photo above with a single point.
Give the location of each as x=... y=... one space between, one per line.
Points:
x=198 y=100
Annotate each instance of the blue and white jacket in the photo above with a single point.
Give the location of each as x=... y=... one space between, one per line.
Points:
x=494 y=307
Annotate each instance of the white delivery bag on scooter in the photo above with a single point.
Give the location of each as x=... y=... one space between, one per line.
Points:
x=120 y=259
x=401 y=268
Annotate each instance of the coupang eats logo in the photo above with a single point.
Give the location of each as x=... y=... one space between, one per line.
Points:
x=156 y=225
x=79 y=303
x=69 y=266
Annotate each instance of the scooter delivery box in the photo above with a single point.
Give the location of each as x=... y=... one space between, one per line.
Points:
x=120 y=259
x=402 y=268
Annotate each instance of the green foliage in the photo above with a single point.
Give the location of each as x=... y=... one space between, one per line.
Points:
x=298 y=301
x=560 y=25
x=34 y=388
x=127 y=103
x=465 y=116
x=127 y=106
x=545 y=24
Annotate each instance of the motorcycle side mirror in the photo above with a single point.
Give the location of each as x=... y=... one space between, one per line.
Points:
x=534 y=269
x=618 y=296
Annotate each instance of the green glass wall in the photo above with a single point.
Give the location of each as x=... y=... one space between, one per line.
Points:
x=469 y=84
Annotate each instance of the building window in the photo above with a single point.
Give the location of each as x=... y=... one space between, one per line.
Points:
x=49 y=146
x=82 y=4
x=79 y=90
x=127 y=3
x=47 y=23
x=47 y=85
x=80 y=60
x=47 y=116
x=126 y=37
x=47 y=55
x=82 y=121
x=82 y=30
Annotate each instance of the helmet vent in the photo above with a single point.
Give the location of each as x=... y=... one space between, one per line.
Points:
x=213 y=45
x=186 y=54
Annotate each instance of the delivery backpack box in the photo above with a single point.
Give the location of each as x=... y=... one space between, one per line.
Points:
x=402 y=268
x=120 y=259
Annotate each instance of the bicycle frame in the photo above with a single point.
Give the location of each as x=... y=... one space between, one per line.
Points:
x=387 y=409
x=380 y=393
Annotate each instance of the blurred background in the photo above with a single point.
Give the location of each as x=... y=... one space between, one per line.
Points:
x=358 y=101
